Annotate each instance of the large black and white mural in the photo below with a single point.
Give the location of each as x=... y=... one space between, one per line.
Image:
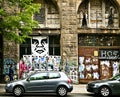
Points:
x=39 y=46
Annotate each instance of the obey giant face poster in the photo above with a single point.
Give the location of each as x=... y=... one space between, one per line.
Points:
x=39 y=46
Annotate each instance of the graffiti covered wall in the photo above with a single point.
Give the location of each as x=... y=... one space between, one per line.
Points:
x=39 y=63
x=10 y=70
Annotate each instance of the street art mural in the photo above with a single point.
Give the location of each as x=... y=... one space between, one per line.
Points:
x=115 y=65
x=105 y=69
x=71 y=69
x=88 y=68
x=39 y=46
x=10 y=70
x=30 y=64
x=91 y=68
x=109 y=68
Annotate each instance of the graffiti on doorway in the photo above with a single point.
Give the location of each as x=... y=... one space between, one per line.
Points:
x=10 y=69
x=88 y=68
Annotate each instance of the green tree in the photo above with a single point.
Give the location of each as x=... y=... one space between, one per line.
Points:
x=16 y=22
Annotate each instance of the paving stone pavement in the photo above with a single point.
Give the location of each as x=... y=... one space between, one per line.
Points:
x=79 y=88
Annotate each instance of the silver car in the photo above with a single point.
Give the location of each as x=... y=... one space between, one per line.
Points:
x=41 y=82
x=106 y=87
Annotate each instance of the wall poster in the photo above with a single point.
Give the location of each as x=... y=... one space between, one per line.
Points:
x=88 y=68
x=38 y=63
x=105 y=69
x=39 y=45
x=109 y=68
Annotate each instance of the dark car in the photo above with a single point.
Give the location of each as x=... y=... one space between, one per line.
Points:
x=105 y=88
x=41 y=82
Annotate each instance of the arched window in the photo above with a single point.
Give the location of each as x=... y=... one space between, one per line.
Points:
x=98 y=14
x=48 y=15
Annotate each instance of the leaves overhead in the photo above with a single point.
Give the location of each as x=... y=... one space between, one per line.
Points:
x=16 y=22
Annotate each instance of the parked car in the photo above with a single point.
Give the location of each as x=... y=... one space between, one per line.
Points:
x=105 y=88
x=42 y=82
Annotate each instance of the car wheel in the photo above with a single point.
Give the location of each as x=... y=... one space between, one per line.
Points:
x=105 y=91
x=62 y=91
x=18 y=91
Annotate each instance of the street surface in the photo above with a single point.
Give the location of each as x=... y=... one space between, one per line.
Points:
x=54 y=95
x=49 y=95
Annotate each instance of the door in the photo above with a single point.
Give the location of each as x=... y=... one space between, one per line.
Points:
x=53 y=82
x=37 y=83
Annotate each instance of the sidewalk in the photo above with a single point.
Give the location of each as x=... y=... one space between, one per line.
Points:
x=80 y=88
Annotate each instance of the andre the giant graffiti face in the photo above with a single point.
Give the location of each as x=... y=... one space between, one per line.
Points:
x=40 y=46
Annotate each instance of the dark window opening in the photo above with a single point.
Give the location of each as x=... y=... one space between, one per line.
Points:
x=98 y=40
x=54 y=45
x=25 y=48
x=40 y=17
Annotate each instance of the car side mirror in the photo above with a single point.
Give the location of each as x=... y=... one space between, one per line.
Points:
x=28 y=79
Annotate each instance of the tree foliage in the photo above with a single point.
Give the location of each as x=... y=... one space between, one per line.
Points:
x=16 y=22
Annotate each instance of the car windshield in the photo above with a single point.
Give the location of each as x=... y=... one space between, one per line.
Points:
x=115 y=77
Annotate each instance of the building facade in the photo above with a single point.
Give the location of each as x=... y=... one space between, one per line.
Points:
x=80 y=37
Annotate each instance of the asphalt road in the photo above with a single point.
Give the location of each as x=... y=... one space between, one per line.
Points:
x=54 y=95
x=50 y=95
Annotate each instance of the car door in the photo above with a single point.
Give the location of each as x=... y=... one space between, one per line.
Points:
x=116 y=86
x=53 y=81
x=36 y=83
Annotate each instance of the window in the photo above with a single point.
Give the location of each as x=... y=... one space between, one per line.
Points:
x=48 y=15
x=54 y=75
x=40 y=17
x=39 y=76
x=98 y=14
x=99 y=40
x=25 y=48
x=54 y=45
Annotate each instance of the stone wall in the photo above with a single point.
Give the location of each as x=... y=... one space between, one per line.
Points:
x=10 y=51
x=69 y=42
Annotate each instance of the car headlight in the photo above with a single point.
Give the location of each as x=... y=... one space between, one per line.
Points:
x=95 y=85
x=9 y=85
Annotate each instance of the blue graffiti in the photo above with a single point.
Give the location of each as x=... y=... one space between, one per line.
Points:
x=9 y=61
